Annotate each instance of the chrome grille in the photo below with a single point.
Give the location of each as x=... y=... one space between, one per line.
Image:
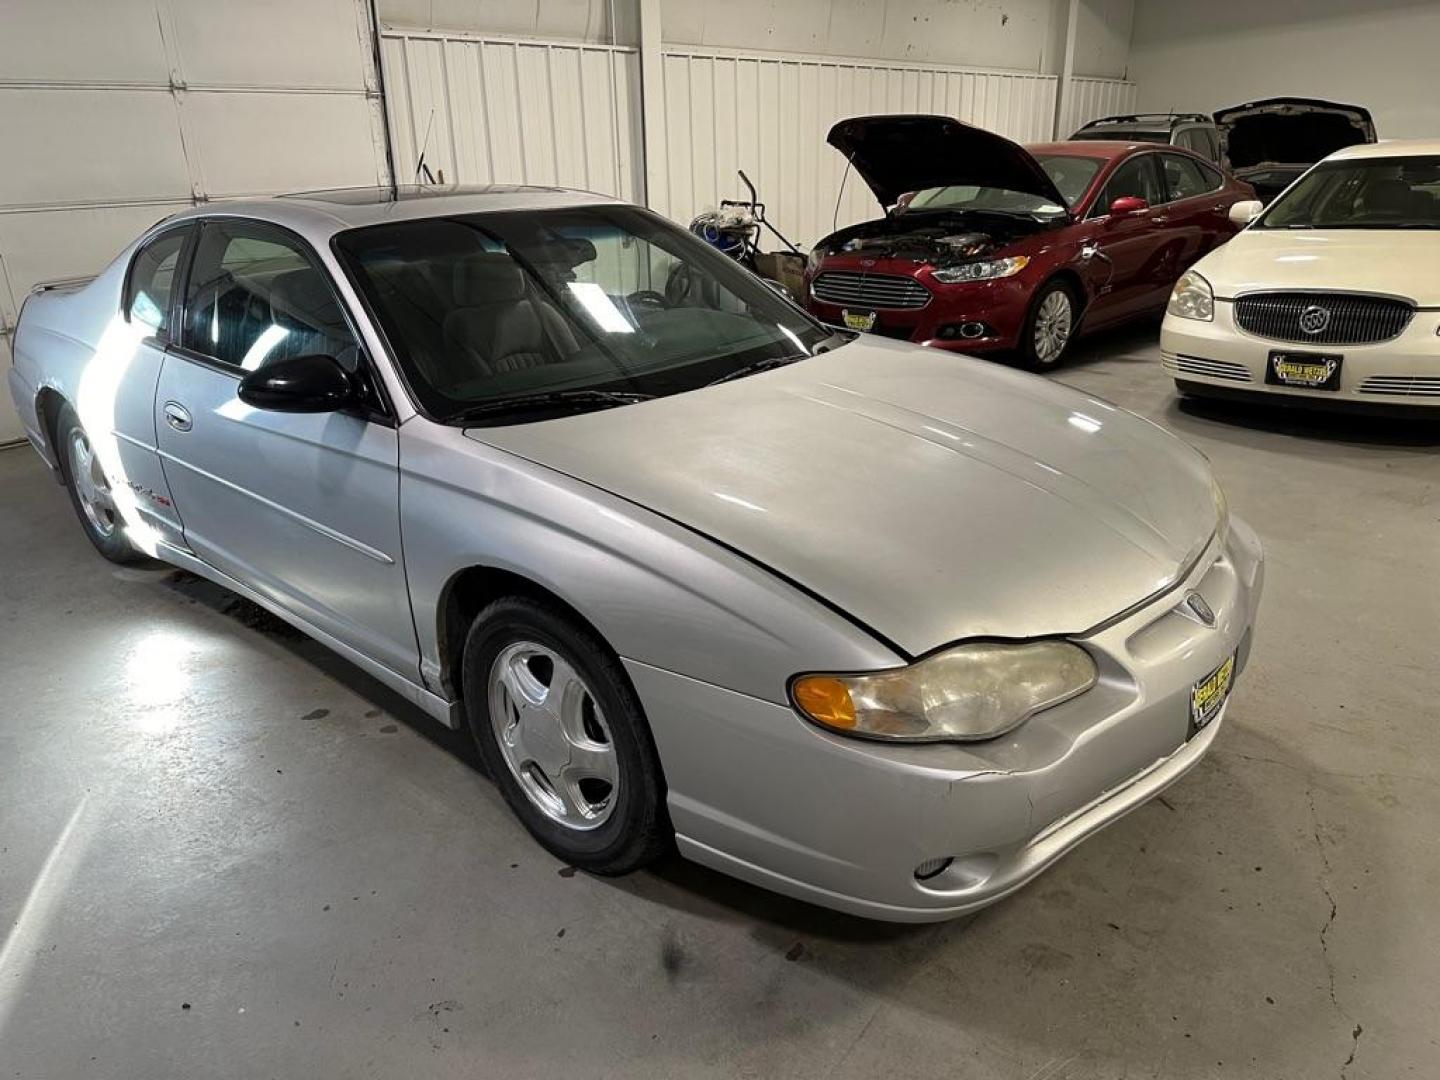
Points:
x=869 y=290
x=1212 y=369
x=1348 y=319
x=1402 y=385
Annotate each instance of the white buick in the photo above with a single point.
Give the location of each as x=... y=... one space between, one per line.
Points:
x=1330 y=297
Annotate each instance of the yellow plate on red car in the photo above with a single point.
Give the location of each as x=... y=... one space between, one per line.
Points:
x=857 y=320
x=1207 y=695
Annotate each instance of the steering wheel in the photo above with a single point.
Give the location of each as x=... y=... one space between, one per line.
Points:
x=647 y=298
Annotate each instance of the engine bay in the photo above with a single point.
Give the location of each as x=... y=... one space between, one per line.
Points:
x=934 y=239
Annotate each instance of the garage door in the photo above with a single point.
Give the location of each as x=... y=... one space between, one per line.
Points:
x=114 y=115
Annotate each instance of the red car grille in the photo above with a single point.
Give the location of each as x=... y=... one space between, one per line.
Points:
x=869 y=290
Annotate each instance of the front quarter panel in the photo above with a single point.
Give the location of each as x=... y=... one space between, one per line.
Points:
x=659 y=593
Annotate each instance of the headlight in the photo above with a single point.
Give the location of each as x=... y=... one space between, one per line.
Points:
x=986 y=270
x=1192 y=298
x=813 y=260
x=970 y=692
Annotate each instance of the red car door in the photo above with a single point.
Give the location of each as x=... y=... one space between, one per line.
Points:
x=1197 y=209
x=1128 y=243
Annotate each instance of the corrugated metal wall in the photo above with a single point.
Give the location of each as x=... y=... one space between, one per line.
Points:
x=505 y=110
x=768 y=115
x=510 y=110
x=1091 y=99
x=113 y=115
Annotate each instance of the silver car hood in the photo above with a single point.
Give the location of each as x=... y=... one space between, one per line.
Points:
x=930 y=497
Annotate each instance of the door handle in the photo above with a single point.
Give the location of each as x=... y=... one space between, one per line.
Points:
x=177 y=416
x=1161 y=219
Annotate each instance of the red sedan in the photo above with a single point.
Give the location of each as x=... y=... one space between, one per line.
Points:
x=987 y=245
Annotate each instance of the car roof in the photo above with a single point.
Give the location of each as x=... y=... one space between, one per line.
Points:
x=1389 y=148
x=324 y=213
x=1092 y=148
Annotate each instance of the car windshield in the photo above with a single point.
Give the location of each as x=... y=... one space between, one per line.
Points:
x=1367 y=193
x=516 y=315
x=1071 y=175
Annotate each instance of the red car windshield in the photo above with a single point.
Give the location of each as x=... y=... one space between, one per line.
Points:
x=1071 y=175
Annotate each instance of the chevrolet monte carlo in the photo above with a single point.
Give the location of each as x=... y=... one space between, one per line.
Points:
x=879 y=627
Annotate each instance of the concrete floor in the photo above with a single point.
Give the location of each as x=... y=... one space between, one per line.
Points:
x=224 y=853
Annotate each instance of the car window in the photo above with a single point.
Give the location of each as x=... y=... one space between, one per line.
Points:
x=487 y=311
x=1364 y=193
x=1134 y=178
x=255 y=297
x=1184 y=177
x=152 y=276
x=1211 y=149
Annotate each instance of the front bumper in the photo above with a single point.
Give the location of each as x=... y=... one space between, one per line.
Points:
x=757 y=792
x=1403 y=373
x=1001 y=306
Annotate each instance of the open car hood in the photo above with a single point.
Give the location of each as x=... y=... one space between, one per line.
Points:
x=896 y=154
x=1289 y=131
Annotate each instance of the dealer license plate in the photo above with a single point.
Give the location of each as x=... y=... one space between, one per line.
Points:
x=858 y=320
x=1207 y=695
x=1312 y=371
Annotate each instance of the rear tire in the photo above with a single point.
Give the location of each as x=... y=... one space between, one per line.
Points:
x=90 y=490
x=562 y=733
x=1050 y=326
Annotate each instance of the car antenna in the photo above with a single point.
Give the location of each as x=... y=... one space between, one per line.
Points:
x=835 y=219
x=420 y=167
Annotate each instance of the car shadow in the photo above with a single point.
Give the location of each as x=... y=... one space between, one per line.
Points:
x=1350 y=429
x=253 y=617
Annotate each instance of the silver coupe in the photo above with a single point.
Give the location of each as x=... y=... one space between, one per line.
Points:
x=884 y=628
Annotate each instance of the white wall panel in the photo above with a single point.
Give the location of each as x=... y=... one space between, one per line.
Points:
x=66 y=145
x=1091 y=99
x=768 y=114
x=56 y=41
x=260 y=143
x=114 y=114
x=511 y=111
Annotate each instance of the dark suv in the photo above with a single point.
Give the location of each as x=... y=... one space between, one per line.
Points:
x=1193 y=131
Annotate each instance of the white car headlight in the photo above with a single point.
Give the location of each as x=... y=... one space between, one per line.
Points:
x=814 y=259
x=1192 y=298
x=986 y=270
x=970 y=692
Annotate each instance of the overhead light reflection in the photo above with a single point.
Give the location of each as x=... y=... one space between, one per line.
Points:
x=1087 y=424
x=737 y=501
x=598 y=305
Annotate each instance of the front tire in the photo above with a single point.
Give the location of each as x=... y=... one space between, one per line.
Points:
x=562 y=732
x=90 y=490
x=1050 y=326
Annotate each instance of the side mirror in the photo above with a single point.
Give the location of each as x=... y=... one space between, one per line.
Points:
x=1245 y=211
x=298 y=384
x=904 y=200
x=1128 y=204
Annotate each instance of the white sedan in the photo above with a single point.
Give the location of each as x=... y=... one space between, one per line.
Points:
x=1330 y=297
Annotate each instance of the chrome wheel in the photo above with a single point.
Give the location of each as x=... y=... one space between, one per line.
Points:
x=1053 y=323
x=553 y=736
x=91 y=486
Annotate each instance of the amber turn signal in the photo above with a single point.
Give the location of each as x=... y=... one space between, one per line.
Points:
x=825 y=700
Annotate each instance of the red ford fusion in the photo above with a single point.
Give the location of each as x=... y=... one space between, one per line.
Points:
x=987 y=245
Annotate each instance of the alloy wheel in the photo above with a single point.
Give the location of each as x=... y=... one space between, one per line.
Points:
x=553 y=735
x=1053 y=323
x=91 y=486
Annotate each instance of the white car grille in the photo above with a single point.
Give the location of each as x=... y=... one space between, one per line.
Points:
x=1180 y=364
x=1402 y=385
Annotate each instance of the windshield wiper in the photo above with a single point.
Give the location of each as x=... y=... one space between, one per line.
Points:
x=600 y=399
x=757 y=366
